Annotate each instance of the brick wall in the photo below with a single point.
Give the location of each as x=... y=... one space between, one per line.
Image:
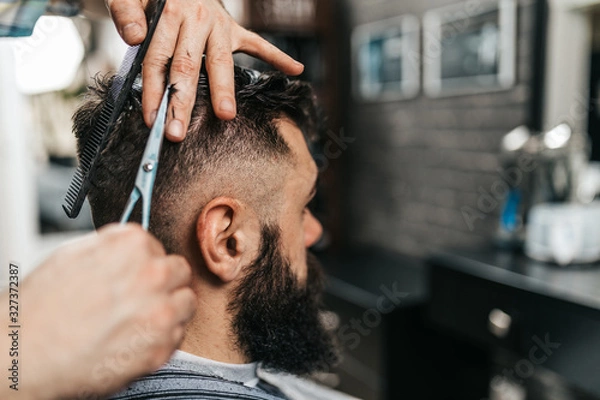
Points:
x=416 y=163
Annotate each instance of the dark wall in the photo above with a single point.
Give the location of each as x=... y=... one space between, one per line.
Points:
x=416 y=164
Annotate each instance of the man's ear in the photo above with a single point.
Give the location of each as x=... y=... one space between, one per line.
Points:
x=228 y=236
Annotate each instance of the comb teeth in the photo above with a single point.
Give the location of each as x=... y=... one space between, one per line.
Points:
x=81 y=179
x=73 y=203
x=119 y=90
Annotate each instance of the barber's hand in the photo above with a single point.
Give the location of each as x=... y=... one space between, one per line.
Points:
x=100 y=312
x=188 y=29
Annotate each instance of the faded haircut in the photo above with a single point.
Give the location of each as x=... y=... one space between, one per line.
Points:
x=245 y=158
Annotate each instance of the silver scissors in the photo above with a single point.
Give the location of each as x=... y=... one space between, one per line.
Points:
x=144 y=181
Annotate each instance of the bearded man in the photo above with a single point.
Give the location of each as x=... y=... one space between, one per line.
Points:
x=233 y=200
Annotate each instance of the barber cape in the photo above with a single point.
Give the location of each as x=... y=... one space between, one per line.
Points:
x=190 y=377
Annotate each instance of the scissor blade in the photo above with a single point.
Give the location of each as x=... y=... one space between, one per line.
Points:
x=144 y=181
x=151 y=153
x=133 y=198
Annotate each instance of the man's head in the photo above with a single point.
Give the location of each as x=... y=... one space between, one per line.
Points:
x=233 y=199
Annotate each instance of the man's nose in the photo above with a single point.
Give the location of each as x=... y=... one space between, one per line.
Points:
x=313 y=230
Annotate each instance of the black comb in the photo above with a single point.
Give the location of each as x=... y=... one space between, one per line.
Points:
x=112 y=108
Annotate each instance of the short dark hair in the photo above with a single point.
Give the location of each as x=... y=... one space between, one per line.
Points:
x=216 y=158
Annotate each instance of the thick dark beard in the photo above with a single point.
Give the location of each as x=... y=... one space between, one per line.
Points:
x=276 y=319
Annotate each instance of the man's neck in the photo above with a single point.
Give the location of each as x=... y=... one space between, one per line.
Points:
x=208 y=334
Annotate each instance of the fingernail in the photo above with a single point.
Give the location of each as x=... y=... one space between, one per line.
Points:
x=227 y=106
x=175 y=129
x=153 y=116
x=132 y=30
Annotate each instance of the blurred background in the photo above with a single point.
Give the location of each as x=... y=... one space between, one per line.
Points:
x=459 y=177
